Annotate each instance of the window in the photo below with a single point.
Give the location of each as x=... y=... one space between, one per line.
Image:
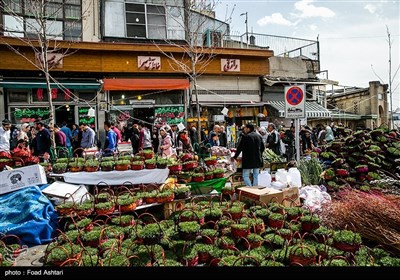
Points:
x=145 y=21
x=64 y=19
x=212 y=39
x=18 y=96
x=380 y=96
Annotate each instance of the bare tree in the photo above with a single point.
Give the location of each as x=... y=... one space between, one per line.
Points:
x=199 y=33
x=33 y=23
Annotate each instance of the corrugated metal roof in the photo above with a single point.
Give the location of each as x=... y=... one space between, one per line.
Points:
x=313 y=109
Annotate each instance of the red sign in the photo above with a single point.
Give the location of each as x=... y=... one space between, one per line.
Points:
x=294 y=96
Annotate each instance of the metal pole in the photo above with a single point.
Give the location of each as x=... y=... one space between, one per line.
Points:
x=297 y=140
x=247 y=32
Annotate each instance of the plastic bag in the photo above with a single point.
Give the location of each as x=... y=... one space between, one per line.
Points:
x=314 y=197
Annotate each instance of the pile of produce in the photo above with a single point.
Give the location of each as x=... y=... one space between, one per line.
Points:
x=361 y=158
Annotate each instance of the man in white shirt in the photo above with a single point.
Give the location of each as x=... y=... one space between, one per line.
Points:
x=5 y=136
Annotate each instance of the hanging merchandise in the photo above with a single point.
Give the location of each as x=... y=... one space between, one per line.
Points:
x=91 y=112
x=54 y=93
x=225 y=111
x=39 y=94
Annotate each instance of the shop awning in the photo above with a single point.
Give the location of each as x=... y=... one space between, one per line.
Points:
x=271 y=80
x=230 y=103
x=145 y=84
x=21 y=84
x=313 y=109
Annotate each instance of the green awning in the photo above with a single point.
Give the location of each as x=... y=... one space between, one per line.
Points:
x=21 y=84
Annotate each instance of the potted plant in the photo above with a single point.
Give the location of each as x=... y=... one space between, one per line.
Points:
x=85 y=208
x=175 y=166
x=161 y=163
x=191 y=215
x=204 y=252
x=46 y=166
x=115 y=259
x=148 y=154
x=65 y=208
x=213 y=214
x=309 y=222
x=165 y=196
x=235 y=212
x=209 y=236
x=126 y=203
x=150 y=163
x=150 y=234
x=104 y=208
x=256 y=224
x=293 y=213
x=107 y=165
x=210 y=161
x=188 y=230
x=197 y=177
x=182 y=192
x=285 y=233
x=75 y=166
x=276 y=220
x=91 y=165
x=219 y=172
x=190 y=165
x=208 y=175
x=274 y=240
x=346 y=240
x=123 y=220
x=263 y=214
x=125 y=157
x=190 y=258
x=255 y=240
x=225 y=242
x=186 y=157
x=240 y=230
x=60 y=167
x=56 y=255
x=302 y=254
x=93 y=238
x=322 y=234
x=329 y=174
x=122 y=164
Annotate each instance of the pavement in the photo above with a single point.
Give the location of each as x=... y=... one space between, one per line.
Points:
x=33 y=256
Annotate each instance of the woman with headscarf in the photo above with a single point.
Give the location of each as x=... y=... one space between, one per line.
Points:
x=165 y=147
x=184 y=143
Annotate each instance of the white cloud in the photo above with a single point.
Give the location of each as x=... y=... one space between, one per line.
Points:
x=275 y=18
x=308 y=10
x=313 y=27
x=371 y=8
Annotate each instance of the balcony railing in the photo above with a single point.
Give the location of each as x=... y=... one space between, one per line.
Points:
x=281 y=45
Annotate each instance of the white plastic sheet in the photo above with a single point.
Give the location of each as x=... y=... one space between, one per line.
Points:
x=315 y=197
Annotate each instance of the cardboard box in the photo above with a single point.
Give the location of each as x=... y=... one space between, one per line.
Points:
x=15 y=179
x=267 y=195
x=61 y=191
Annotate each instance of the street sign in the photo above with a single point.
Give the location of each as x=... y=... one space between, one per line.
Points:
x=295 y=102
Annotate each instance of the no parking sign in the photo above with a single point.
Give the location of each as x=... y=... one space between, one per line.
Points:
x=295 y=102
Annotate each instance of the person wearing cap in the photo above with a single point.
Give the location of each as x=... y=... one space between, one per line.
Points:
x=252 y=147
x=5 y=136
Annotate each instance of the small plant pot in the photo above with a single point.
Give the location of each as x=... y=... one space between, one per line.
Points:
x=308 y=227
x=211 y=162
x=190 y=165
x=209 y=239
x=148 y=155
x=105 y=211
x=197 y=179
x=204 y=257
x=175 y=168
x=255 y=244
x=123 y=167
x=127 y=208
x=150 y=200
x=191 y=262
x=218 y=175
x=161 y=165
x=188 y=235
x=300 y=260
x=107 y=168
x=150 y=165
x=84 y=213
x=208 y=177
x=137 y=166
x=151 y=240
x=239 y=233
x=293 y=217
x=276 y=224
x=75 y=168
x=91 y=168
x=258 y=228
x=346 y=247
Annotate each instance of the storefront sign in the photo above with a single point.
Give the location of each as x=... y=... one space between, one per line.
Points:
x=230 y=65
x=28 y=115
x=169 y=114
x=149 y=63
x=54 y=60
x=83 y=117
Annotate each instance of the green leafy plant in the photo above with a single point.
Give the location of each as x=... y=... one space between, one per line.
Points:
x=310 y=171
x=109 y=163
x=307 y=251
x=347 y=236
x=105 y=159
x=150 y=161
x=310 y=219
x=150 y=231
x=209 y=232
x=123 y=162
x=92 y=163
x=218 y=171
x=189 y=227
x=276 y=217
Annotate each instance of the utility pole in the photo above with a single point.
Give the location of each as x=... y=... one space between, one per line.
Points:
x=247 y=29
x=390 y=78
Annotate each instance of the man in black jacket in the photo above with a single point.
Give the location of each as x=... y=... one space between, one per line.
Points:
x=252 y=147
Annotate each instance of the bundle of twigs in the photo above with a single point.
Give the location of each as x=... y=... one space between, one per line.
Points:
x=375 y=216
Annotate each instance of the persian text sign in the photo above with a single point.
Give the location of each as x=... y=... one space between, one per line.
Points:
x=54 y=60
x=169 y=114
x=230 y=65
x=295 y=105
x=149 y=63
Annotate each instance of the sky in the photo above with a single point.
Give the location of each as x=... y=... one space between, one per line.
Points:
x=353 y=35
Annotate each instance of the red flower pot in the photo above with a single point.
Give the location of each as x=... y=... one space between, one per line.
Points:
x=276 y=223
x=346 y=247
x=218 y=175
x=208 y=177
x=301 y=260
x=204 y=257
x=307 y=226
x=239 y=233
x=150 y=165
x=197 y=178
x=137 y=166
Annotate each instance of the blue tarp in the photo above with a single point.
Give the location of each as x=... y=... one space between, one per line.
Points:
x=28 y=214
